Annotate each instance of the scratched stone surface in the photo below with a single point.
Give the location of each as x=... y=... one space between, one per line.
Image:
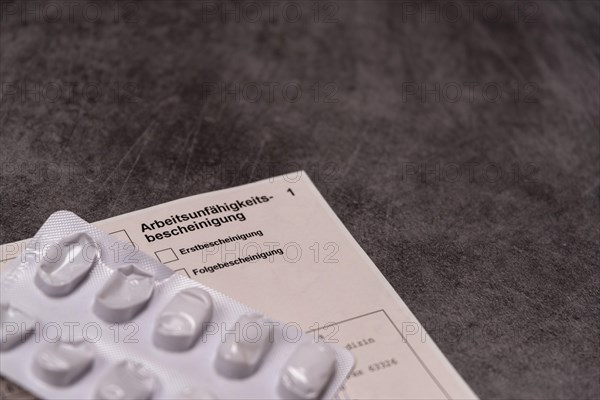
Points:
x=459 y=145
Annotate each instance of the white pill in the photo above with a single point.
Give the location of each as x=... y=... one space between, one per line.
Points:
x=62 y=363
x=307 y=372
x=15 y=326
x=125 y=294
x=59 y=274
x=196 y=393
x=180 y=323
x=127 y=380
x=244 y=348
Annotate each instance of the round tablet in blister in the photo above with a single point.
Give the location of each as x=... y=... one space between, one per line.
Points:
x=15 y=326
x=59 y=274
x=62 y=363
x=243 y=349
x=127 y=380
x=125 y=294
x=307 y=372
x=180 y=323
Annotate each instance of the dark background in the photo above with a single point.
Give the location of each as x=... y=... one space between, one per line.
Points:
x=459 y=144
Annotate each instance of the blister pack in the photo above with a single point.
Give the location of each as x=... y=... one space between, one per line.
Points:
x=85 y=316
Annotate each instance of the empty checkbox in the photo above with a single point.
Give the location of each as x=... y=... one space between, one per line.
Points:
x=166 y=255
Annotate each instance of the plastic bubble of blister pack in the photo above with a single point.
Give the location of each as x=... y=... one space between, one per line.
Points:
x=85 y=316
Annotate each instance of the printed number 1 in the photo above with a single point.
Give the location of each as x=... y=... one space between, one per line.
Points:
x=291 y=191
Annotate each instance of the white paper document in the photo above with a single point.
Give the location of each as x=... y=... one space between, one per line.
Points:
x=277 y=246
